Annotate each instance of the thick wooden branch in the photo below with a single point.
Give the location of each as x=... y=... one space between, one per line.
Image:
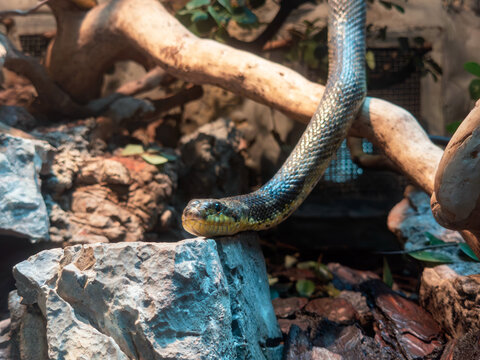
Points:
x=456 y=198
x=8 y=13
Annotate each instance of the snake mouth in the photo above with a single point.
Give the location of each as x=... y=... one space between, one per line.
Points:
x=200 y=227
x=194 y=222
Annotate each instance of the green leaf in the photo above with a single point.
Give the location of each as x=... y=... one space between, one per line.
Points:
x=430 y=256
x=169 y=157
x=221 y=17
x=154 y=159
x=433 y=240
x=331 y=290
x=132 y=149
x=195 y=4
x=199 y=16
x=474 y=89
x=183 y=12
x=305 y=287
x=370 y=58
x=309 y=54
x=323 y=273
x=289 y=261
x=245 y=18
x=387 y=273
x=452 y=127
x=226 y=4
x=473 y=68
x=467 y=250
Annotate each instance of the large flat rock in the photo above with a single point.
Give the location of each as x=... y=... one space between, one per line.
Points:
x=195 y=299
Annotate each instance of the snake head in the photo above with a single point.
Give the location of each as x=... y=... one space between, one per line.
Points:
x=211 y=217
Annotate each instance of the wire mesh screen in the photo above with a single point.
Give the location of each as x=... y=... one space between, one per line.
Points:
x=343 y=175
x=405 y=91
x=34 y=45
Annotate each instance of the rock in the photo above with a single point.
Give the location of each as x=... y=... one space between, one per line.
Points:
x=334 y=309
x=17 y=116
x=5 y=344
x=213 y=163
x=22 y=208
x=27 y=330
x=451 y=293
x=129 y=107
x=197 y=298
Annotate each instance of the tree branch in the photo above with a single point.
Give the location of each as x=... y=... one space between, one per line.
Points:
x=49 y=94
x=8 y=13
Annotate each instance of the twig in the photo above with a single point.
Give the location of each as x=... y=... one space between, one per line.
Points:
x=8 y=13
x=415 y=250
x=369 y=161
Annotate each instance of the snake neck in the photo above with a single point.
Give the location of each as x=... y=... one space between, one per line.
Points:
x=343 y=97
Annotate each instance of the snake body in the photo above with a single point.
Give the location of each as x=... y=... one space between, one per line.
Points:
x=344 y=94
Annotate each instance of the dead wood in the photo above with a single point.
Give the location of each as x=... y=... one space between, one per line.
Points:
x=365 y=160
x=50 y=95
x=8 y=13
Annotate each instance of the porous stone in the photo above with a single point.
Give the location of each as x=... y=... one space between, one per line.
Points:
x=22 y=208
x=195 y=299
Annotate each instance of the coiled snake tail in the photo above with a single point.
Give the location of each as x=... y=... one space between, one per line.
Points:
x=279 y=197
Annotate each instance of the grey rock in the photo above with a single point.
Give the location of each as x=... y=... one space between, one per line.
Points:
x=22 y=208
x=195 y=299
x=5 y=343
x=17 y=116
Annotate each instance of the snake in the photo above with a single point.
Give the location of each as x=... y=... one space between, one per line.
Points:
x=343 y=97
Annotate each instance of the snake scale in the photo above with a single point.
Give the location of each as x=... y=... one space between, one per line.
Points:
x=344 y=94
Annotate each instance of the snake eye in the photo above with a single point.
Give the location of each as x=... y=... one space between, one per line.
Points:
x=217 y=206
